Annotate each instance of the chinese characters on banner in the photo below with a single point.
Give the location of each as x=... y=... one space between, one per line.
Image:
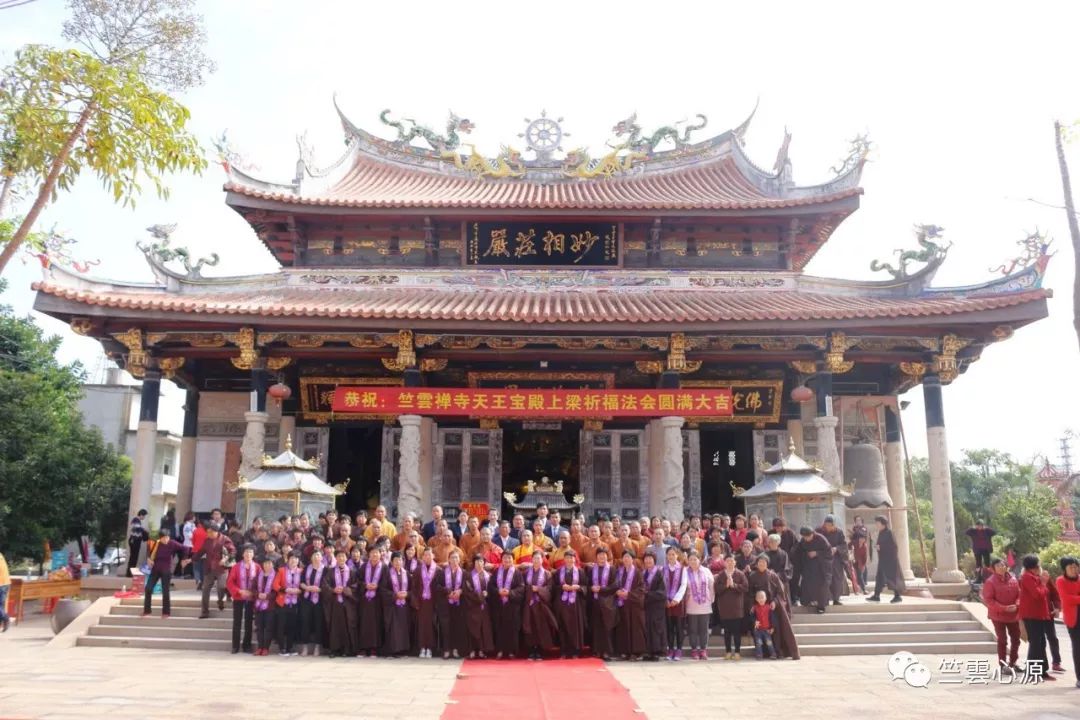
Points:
x=516 y=403
x=542 y=244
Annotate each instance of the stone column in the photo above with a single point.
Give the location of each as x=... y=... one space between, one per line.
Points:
x=410 y=492
x=794 y=431
x=826 y=423
x=253 y=447
x=185 y=484
x=672 y=502
x=142 y=470
x=894 y=478
x=948 y=569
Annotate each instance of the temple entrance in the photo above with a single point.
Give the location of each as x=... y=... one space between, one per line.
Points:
x=355 y=455
x=532 y=450
x=727 y=456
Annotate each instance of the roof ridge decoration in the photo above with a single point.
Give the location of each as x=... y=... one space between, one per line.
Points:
x=932 y=253
x=158 y=253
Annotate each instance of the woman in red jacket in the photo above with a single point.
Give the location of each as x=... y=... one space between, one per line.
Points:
x=1035 y=613
x=1001 y=595
x=1068 y=587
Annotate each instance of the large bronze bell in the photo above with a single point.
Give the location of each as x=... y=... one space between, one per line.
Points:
x=863 y=468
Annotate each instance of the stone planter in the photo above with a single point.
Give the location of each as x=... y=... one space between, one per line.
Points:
x=65 y=612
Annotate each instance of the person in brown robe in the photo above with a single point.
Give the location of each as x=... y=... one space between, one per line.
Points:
x=811 y=562
x=763 y=579
x=839 y=558
x=339 y=598
x=506 y=592
x=477 y=616
x=369 y=579
x=449 y=611
x=655 y=609
x=538 y=622
x=394 y=592
x=630 y=604
x=602 y=611
x=422 y=598
x=731 y=588
x=568 y=585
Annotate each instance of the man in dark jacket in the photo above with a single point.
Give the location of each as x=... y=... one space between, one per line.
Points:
x=811 y=560
x=888 y=563
x=838 y=550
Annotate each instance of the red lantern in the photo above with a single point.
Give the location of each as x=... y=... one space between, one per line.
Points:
x=280 y=391
x=802 y=394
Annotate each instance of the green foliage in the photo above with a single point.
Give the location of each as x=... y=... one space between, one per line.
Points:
x=1056 y=550
x=1024 y=518
x=60 y=479
x=106 y=118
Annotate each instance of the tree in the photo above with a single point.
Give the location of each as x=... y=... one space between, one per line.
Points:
x=60 y=479
x=1025 y=518
x=103 y=108
x=1070 y=213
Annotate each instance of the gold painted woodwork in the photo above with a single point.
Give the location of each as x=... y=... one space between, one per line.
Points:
x=1001 y=332
x=593 y=425
x=277 y=363
x=80 y=326
x=806 y=367
x=137 y=358
x=774 y=417
x=475 y=377
x=323 y=418
x=914 y=370
x=433 y=364
x=244 y=339
x=839 y=343
x=945 y=363
x=489 y=423
x=169 y=366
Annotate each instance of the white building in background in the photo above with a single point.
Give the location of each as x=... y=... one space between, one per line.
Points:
x=113 y=407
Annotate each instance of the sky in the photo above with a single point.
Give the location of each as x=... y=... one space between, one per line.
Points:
x=959 y=100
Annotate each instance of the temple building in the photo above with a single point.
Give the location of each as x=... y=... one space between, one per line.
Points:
x=636 y=326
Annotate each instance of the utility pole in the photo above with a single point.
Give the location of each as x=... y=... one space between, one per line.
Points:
x=1074 y=227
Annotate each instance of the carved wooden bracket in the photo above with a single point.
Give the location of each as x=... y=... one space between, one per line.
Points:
x=945 y=363
x=137 y=358
x=169 y=366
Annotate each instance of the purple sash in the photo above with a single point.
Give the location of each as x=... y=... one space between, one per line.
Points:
x=369 y=580
x=700 y=592
x=425 y=580
x=509 y=578
x=341 y=577
x=292 y=582
x=568 y=596
x=396 y=581
x=479 y=580
x=247 y=575
x=313 y=595
x=453 y=582
x=529 y=581
x=670 y=576
x=626 y=583
x=604 y=575
x=267 y=580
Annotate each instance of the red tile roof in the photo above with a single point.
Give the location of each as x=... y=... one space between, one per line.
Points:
x=512 y=305
x=714 y=185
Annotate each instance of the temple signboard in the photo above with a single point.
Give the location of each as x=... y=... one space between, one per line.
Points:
x=542 y=244
x=535 y=403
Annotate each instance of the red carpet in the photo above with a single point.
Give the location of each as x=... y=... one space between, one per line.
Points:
x=526 y=690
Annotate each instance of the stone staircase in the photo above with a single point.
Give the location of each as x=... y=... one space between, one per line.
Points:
x=918 y=626
x=124 y=626
x=855 y=628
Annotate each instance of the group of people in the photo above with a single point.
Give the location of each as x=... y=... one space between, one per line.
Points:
x=511 y=588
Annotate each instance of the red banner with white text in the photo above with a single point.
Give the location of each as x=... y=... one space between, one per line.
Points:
x=540 y=403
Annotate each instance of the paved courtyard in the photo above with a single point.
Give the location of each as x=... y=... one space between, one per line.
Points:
x=47 y=682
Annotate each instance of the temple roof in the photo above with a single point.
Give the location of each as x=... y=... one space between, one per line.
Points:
x=714 y=174
x=583 y=298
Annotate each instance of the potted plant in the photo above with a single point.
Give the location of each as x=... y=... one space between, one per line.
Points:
x=66 y=610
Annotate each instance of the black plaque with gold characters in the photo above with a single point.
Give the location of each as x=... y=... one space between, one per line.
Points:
x=542 y=244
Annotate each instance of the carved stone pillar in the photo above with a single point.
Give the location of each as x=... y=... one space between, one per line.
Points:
x=672 y=502
x=142 y=470
x=185 y=484
x=794 y=430
x=410 y=491
x=948 y=568
x=286 y=428
x=826 y=449
x=254 y=445
x=894 y=478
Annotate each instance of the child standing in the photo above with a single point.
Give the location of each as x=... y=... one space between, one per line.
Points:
x=764 y=625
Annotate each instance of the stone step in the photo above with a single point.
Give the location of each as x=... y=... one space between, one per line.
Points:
x=898 y=638
x=177 y=611
x=942 y=647
x=887 y=627
x=152 y=643
x=878 y=617
x=175 y=601
x=860 y=606
x=150 y=623
x=163 y=630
